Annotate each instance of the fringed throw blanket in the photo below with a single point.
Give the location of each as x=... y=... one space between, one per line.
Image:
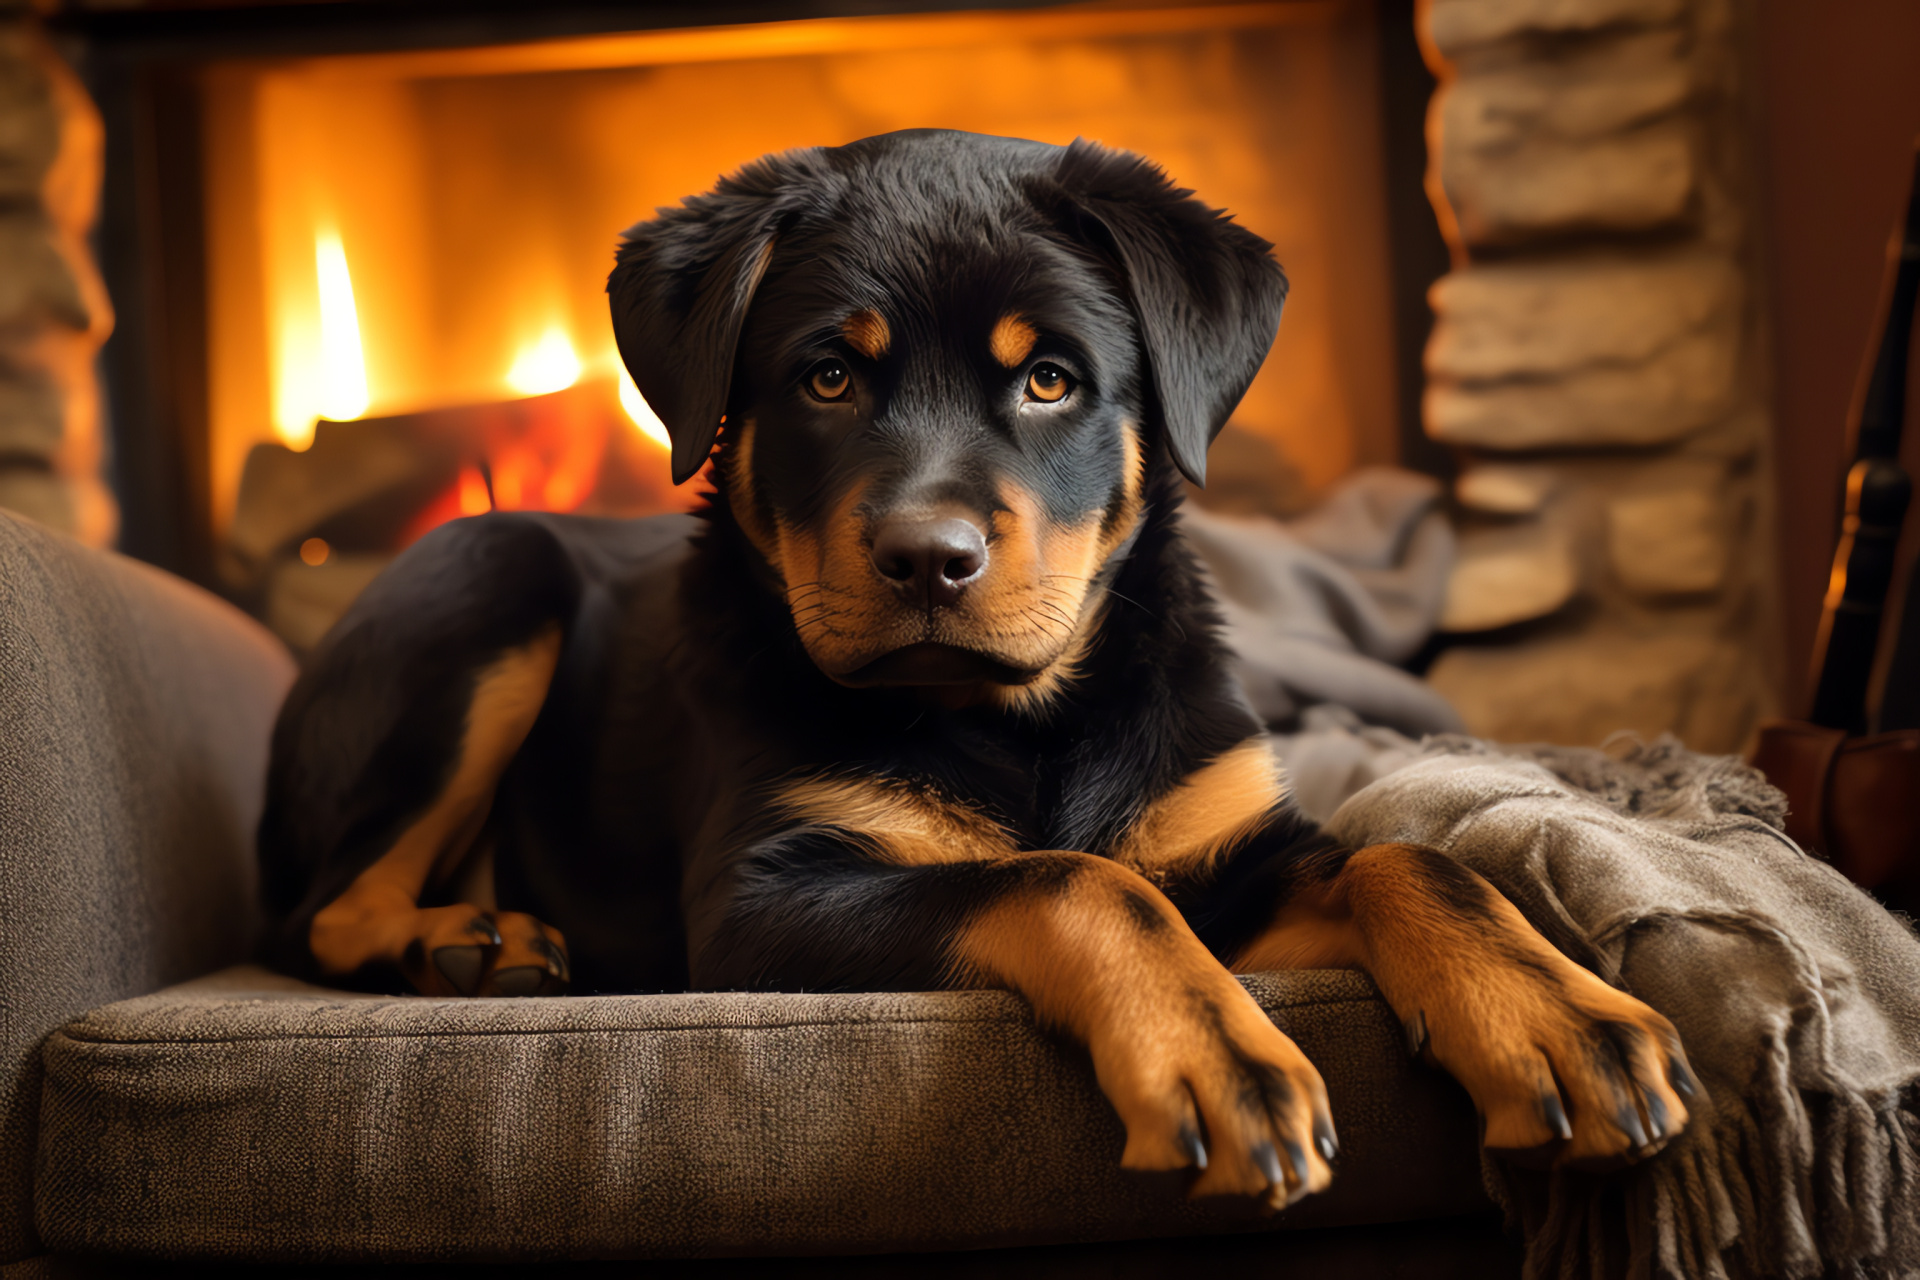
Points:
x=1798 y=998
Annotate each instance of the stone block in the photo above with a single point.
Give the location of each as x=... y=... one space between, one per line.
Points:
x=1586 y=136
x=39 y=494
x=36 y=281
x=1679 y=391
x=1639 y=181
x=29 y=115
x=1457 y=25
x=1581 y=688
x=1504 y=576
x=1669 y=541
x=1529 y=319
x=1586 y=91
x=32 y=419
x=1505 y=490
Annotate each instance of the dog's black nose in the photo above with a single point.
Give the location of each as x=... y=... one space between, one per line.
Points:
x=931 y=561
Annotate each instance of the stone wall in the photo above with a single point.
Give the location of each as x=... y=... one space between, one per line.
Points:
x=54 y=312
x=1597 y=357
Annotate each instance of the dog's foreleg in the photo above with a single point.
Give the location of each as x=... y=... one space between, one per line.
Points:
x=1562 y=1066
x=1197 y=1071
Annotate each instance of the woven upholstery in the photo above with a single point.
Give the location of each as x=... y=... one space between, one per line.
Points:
x=134 y=714
x=250 y=1117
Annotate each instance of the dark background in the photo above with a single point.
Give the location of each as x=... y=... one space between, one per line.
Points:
x=1839 y=115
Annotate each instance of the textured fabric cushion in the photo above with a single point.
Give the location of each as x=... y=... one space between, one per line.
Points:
x=248 y=1116
x=134 y=715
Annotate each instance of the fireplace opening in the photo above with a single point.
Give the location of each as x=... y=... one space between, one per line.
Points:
x=380 y=271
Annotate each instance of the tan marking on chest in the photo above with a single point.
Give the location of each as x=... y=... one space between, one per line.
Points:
x=905 y=824
x=1012 y=340
x=867 y=332
x=1211 y=810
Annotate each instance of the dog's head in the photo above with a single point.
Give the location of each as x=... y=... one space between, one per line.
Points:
x=944 y=364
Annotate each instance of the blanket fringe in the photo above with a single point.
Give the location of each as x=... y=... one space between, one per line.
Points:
x=1786 y=1183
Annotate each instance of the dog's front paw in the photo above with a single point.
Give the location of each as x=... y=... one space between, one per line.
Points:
x=463 y=951
x=1205 y=1080
x=1564 y=1069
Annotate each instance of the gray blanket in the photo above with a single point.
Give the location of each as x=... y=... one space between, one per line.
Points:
x=1797 y=995
x=1320 y=610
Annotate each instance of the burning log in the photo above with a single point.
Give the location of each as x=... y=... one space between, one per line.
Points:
x=313 y=526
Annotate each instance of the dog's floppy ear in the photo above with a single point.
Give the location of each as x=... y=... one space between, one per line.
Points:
x=1205 y=289
x=679 y=293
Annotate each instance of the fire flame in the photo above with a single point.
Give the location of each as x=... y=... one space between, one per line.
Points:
x=642 y=415
x=342 y=393
x=549 y=365
x=474 y=499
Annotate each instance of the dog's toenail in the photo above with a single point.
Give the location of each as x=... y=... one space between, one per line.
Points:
x=1297 y=1157
x=1656 y=1113
x=1324 y=1139
x=1556 y=1116
x=1269 y=1164
x=1195 y=1149
x=1628 y=1119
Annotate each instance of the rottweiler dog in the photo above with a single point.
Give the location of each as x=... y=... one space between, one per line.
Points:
x=930 y=695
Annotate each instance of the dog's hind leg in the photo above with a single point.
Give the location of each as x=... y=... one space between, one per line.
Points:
x=387 y=757
x=460 y=948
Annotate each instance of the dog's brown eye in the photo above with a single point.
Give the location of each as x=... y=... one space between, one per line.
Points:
x=829 y=381
x=1048 y=383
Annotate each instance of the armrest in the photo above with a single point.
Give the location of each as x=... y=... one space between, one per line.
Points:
x=135 y=712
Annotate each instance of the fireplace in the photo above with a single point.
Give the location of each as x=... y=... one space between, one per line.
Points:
x=356 y=252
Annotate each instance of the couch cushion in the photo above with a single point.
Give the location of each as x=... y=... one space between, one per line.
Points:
x=134 y=715
x=250 y=1116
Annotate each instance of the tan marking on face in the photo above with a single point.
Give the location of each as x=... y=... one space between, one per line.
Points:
x=1069 y=558
x=1038 y=696
x=1178 y=1046
x=379 y=914
x=1491 y=1000
x=836 y=598
x=1030 y=609
x=904 y=824
x=744 y=501
x=1210 y=811
x=867 y=332
x=1012 y=340
x=1028 y=605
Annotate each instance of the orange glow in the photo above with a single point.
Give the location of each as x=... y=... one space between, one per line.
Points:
x=474 y=498
x=641 y=414
x=314 y=551
x=548 y=365
x=479 y=193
